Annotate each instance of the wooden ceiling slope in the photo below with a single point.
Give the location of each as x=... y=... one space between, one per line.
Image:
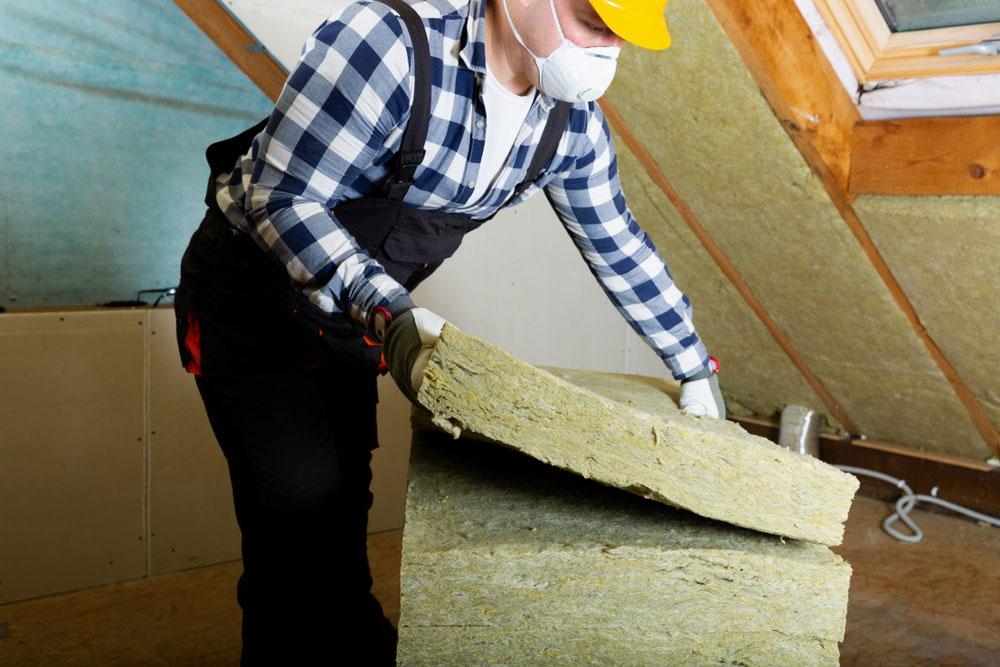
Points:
x=896 y=157
x=785 y=60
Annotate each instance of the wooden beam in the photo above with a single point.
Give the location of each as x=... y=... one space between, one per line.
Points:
x=927 y=156
x=227 y=33
x=788 y=64
x=975 y=488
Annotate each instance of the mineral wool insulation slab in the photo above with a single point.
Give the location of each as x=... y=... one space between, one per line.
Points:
x=943 y=251
x=509 y=561
x=700 y=114
x=708 y=466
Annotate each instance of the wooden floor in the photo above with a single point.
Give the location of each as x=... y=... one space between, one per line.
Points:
x=936 y=602
x=933 y=603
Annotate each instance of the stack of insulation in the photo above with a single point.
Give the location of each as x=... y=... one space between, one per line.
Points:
x=507 y=560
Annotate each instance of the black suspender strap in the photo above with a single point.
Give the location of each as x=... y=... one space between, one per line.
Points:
x=554 y=127
x=411 y=150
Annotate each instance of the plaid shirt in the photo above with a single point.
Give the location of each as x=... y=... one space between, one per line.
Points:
x=340 y=118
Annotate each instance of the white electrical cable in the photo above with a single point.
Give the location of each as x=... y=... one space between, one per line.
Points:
x=907 y=502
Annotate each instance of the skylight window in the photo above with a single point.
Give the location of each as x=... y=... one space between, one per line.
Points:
x=902 y=39
x=906 y=15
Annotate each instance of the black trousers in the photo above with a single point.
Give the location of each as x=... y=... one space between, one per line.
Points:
x=294 y=413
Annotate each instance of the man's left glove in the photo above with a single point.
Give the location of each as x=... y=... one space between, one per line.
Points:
x=408 y=343
x=700 y=394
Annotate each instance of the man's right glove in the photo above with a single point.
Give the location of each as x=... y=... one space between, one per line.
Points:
x=408 y=344
x=700 y=394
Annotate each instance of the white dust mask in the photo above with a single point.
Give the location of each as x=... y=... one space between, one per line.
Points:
x=572 y=73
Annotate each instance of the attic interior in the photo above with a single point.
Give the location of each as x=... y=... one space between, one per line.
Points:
x=840 y=262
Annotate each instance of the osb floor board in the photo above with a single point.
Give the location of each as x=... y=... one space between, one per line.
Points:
x=188 y=618
x=936 y=602
x=931 y=603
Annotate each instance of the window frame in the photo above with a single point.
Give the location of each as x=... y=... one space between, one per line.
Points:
x=878 y=54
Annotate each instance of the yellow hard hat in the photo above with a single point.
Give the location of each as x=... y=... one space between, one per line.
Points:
x=638 y=21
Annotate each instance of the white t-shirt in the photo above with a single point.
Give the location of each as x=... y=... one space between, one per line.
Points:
x=505 y=114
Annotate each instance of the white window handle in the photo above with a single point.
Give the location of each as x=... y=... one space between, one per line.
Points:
x=990 y=47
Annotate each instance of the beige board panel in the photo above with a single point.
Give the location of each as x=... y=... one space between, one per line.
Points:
x=757 y=374
x=191 y=517
x=72 y=447
x=705 y=122
x=943 y=251
x=390 y=460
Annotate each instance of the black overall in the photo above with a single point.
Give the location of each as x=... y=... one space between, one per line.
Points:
x=291 y=393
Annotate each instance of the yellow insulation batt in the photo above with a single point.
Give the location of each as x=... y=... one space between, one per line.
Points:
x=710 y=467
x=509 y=561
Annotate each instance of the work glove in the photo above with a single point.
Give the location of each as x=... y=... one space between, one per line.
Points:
x=408 y=343
x=700 y=394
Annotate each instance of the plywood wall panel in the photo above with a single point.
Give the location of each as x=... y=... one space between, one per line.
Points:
x=191 y=515
x=391 y=459
x=943 y=251
x=72 y=448
x=703 y=119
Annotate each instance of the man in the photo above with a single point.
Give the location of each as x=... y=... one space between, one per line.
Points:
x=322 y=220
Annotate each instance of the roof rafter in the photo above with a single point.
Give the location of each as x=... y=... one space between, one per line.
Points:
x=241 y=47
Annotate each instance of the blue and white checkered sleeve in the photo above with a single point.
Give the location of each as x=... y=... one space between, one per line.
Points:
x=622 y=257
x=349 y=90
